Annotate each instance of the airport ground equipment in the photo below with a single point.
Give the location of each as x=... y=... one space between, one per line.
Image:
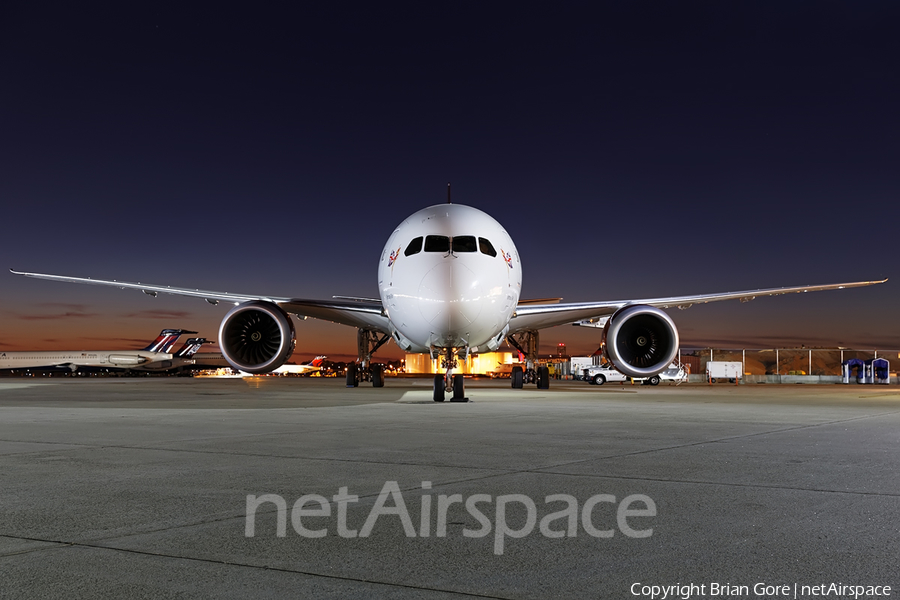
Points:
x=579 y=364
x=600 y=374
x=676 y=373
x=878 y=370
x=607 y=373
x=873 y=370
x=851 y=365
x=722 y=369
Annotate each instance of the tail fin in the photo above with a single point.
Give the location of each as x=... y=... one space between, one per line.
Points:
x=317 y=361
x=191 y=347
x=166 y=339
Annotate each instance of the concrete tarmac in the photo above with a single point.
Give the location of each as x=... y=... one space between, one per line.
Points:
x=138 y=488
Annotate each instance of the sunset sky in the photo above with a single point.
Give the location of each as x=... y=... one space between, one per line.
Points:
x=631 y=149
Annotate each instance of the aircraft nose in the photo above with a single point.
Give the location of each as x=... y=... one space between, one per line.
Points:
x=451 y=298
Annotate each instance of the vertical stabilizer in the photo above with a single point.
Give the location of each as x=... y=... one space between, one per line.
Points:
x=165 y=340
x=191 y=347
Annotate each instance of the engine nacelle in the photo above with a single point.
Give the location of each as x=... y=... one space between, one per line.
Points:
x=640 y=340
x=256 y=337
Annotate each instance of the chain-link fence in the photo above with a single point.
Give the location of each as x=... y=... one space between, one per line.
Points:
x=786 y=361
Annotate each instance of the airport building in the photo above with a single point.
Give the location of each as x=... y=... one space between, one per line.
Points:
x=477 y=364
x=495 y=364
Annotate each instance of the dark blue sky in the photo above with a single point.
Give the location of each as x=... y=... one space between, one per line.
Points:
x=632 y=149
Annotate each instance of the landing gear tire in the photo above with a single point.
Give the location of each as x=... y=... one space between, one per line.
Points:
x=377 y=375
x=653 y=380
x=438 y=388
x=543 y=378
x=518 y=378
x=351 y=375
x=459 y=389
x=599 y=379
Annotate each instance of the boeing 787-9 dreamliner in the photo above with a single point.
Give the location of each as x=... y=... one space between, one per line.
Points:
x=449 y=280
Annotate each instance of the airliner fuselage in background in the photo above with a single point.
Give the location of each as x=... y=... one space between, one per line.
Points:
x=73 y=360
x=156 y=352
x=449 y=280
x=304 y=369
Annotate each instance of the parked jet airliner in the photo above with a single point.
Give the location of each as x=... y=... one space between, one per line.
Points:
x=310 y=367
x=449 y=280
x=158 y=350
x=286 y=369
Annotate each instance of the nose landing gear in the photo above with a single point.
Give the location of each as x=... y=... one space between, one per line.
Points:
x=449 y=382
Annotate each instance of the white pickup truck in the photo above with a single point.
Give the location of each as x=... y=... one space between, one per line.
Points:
x=598 y=375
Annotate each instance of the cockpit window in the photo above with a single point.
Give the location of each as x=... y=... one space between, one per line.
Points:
x=464 y=243
x=437 y=243
x=486 y=247
x=414 y=247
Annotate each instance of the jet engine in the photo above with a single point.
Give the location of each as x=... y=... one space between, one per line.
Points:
x=640 y=340
x=256 y=337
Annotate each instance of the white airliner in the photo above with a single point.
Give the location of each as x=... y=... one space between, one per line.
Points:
x=286 y=369
x=449 y=281
x=157 y=351
x=215 y=360
x=310 y=367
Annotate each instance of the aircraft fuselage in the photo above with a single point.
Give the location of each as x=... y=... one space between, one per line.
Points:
x=449 y=277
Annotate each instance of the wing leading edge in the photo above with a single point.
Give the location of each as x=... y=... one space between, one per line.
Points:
x=531 y=317
x=369 y=313
x=364 y=313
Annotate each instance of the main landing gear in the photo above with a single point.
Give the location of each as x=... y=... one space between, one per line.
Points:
x=449 y=382
x=540 y=376
x=367 y=342
x=526 y=342
x=356 y=374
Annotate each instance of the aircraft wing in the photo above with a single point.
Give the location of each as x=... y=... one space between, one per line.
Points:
x=369 y=313
x=365 y=313
x=538 y=316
